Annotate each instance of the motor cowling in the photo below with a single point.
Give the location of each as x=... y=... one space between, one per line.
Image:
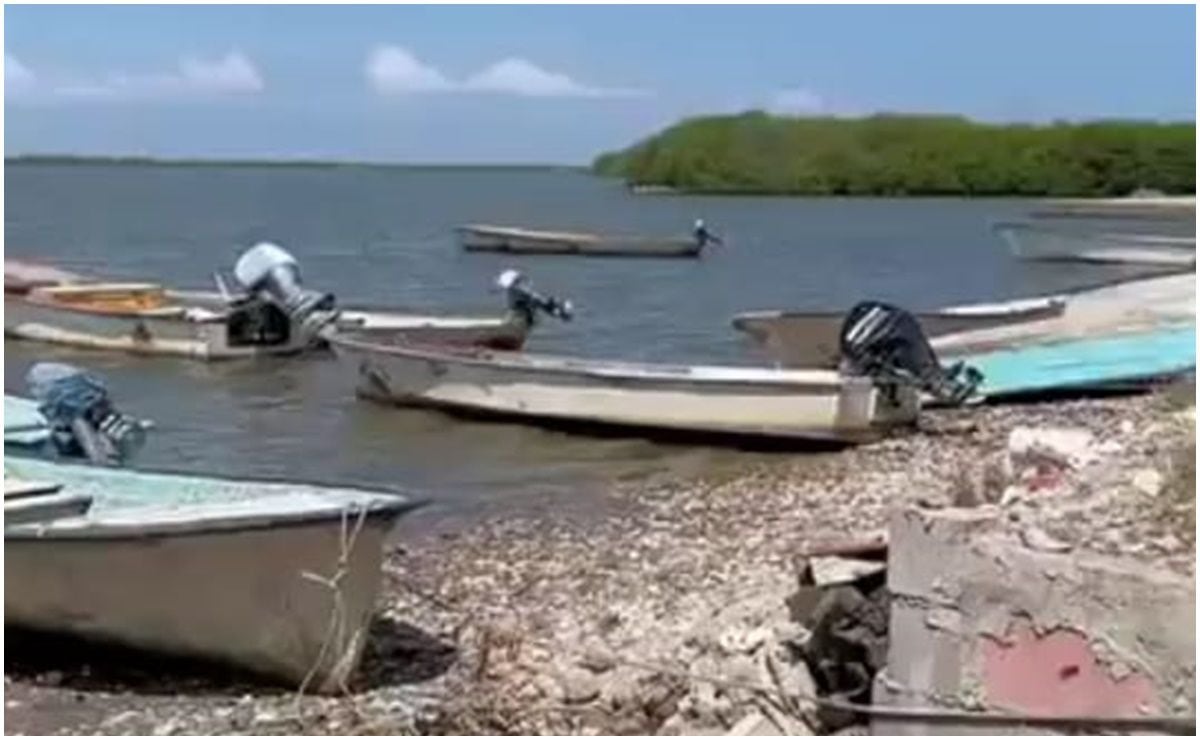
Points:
x=524 y=300
x=885 y=342
x=267 y=270
x=82 y=419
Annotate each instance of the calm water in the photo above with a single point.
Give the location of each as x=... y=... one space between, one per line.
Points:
x=384 y=236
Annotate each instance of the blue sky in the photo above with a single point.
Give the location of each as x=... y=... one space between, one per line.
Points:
x=555 y=83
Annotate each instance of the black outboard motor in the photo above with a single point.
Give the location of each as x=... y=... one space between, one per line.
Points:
x=270 y=271
x=82 y=420
x=886 y=342
x=527 y=302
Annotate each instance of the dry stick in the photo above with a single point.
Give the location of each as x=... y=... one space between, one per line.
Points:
x=337 y=615
x=1180 y=725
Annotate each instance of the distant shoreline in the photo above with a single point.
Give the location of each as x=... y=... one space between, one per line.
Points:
x=131 y=161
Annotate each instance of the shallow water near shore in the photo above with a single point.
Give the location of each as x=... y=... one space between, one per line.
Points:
x=384 y=236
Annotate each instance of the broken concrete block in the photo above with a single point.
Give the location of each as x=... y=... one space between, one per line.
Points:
x=1065 y=447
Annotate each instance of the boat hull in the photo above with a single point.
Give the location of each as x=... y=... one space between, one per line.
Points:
x=737 y=402
x=239 y=597
x=1037 y=242
x=208 y=339
x=279 y=579
x=523 y=241
x=143 y=334
x=812 y=339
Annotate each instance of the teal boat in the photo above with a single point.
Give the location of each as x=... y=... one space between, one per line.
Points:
x=278 y=578
x=1109 y=362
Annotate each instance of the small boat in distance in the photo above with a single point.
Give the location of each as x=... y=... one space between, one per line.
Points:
x=277 y=578
x=744 y=402
x=812 y=338
x=1040 y=241
x=486 y=238
x=1147 y=206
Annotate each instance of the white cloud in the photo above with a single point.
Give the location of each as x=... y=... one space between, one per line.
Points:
x=232 y=74
x=522 y=77
x=395 y=70
x=17 y=76
x=797 y=100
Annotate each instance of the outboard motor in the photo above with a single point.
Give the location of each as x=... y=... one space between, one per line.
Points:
x=882 y=341
x=269 y=270
x=527 y=302
x=82 y=419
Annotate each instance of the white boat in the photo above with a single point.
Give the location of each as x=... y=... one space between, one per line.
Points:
x=277 y=578
x=818 y=405
x=486 y=238
x=147 y=318
x=1150 y=207
x=1039 y=241
x=812 y=338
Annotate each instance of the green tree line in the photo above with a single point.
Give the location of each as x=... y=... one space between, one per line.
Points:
x=909 y=155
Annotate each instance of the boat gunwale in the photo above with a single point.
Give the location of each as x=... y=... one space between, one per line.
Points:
x=69 y=529
x=600 y=369
x=378 y=502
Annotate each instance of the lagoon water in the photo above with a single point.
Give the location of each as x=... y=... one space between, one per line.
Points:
x=384 y=236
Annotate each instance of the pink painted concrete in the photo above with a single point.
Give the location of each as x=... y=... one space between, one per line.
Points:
x=1057 y=673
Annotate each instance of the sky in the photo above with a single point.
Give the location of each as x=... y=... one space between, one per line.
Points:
x=555 y=84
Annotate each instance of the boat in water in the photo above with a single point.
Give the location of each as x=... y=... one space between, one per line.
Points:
x=486 y=238
x=277 y=578
x=272 y=315
x=813 y=405
x=1043 y=241
x=813 y=338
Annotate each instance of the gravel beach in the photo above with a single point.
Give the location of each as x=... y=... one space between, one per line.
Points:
x=615 y=624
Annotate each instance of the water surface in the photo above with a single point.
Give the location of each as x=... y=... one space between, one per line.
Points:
x=384 y=236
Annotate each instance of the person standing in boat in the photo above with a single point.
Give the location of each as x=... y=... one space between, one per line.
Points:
x=703 y=236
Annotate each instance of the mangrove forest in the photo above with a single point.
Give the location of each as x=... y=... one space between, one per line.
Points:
x=892 y=154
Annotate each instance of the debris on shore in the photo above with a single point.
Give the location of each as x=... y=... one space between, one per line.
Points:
x=691 y=609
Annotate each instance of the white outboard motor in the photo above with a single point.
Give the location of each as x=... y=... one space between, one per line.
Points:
x=269 y=270
x=82 y=419
x=527 y=302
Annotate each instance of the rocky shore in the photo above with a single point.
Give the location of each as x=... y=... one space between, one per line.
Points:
x=672 y=614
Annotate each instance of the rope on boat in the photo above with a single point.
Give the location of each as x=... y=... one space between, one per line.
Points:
x=335 y=633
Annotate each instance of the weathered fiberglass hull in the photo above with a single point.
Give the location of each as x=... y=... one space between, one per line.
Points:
x=481 y=238
x=1033 y=241
x=195 y=330
x=277 y=578
x=812 y=339
x=815 y=405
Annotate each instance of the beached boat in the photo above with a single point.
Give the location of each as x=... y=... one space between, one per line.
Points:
x=1124 y=360
x=811 y=338
x=147 y=318
x=819 y=405
x=1042 y=241
x=278 y=578
x=485 y=238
